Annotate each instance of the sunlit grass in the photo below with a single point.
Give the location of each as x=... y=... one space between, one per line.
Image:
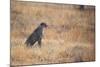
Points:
x=68 y=38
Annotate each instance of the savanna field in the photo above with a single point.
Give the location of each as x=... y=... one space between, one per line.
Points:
x=69 y=37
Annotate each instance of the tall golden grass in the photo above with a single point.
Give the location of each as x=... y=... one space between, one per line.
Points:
x=70 y=36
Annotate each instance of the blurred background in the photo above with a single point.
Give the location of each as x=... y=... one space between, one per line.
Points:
x=70 y=36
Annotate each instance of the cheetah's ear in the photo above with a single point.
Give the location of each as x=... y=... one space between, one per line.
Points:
x=43 y=24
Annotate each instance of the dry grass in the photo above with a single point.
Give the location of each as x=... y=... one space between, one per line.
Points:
x=68 y=38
